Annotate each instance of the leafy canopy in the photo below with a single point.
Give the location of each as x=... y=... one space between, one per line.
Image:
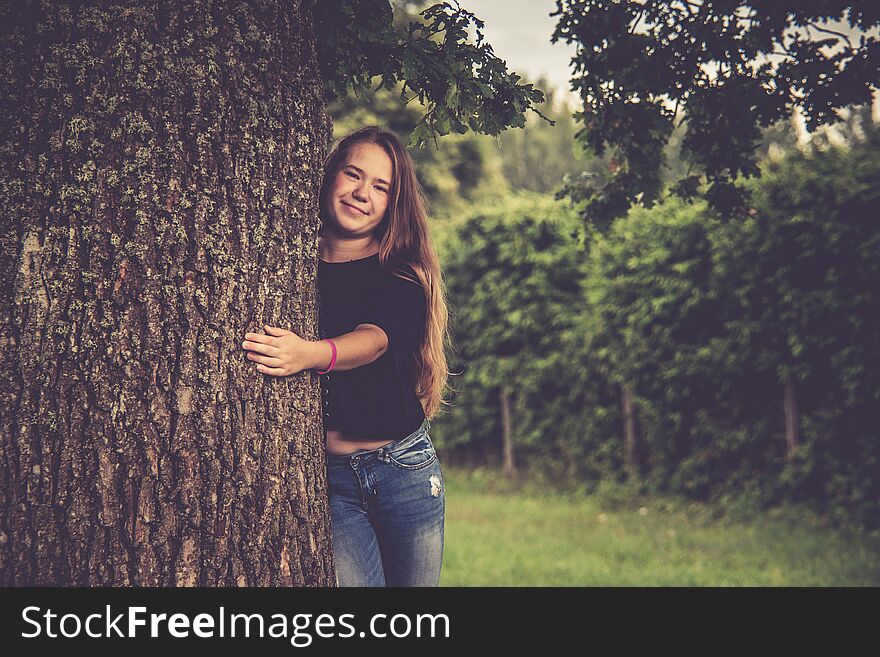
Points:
x=730 y=67
x=464 y=85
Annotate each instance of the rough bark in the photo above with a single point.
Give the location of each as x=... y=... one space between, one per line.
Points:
x=161 y=165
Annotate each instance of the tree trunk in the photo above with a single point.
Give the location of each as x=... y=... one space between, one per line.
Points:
x=792 y=422
x=506 y=438
x=629 y=429
x=162 y=164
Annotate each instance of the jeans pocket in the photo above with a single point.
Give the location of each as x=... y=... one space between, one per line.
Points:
x=415 y=456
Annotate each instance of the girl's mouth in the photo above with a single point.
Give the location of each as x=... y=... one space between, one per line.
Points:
x=353 y=209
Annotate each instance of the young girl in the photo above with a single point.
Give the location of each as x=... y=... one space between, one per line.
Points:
x=382 y=364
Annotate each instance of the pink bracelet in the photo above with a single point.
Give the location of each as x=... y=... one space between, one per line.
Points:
x=332 y=358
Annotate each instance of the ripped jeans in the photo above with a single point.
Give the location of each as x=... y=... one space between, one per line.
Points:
x=387 y=508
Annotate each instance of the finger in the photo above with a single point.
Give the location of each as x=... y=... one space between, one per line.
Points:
x=265 y=360
x=260 y=347
x=274 y=330
x=273 y=371
x=259 y=337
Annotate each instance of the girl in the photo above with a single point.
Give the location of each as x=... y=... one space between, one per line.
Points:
x=382 y=363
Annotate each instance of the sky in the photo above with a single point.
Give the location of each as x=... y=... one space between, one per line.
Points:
x=519 y=32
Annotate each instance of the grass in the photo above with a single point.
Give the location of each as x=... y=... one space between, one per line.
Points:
x=523 y=533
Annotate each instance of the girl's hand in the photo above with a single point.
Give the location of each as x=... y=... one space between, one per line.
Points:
x=280 y=353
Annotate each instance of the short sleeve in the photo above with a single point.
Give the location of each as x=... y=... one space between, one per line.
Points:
x=398 y=307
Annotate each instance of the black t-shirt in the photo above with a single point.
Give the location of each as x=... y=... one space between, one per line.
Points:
x=376 y=401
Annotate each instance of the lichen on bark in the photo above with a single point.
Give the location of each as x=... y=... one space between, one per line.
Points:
x=161 y=165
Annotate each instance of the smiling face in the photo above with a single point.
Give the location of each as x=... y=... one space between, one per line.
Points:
x=358 y=197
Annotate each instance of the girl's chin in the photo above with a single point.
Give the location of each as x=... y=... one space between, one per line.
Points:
x=350 y=229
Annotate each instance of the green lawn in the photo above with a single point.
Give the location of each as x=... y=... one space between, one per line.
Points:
x=500 y=533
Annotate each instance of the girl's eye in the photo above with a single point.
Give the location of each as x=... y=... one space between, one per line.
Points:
x=382 y=189
x=350 y=174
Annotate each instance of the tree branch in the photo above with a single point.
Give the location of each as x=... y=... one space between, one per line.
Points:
x=832 y=32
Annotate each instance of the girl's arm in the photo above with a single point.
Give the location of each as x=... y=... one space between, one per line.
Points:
x=280 y=352
x=360 y=347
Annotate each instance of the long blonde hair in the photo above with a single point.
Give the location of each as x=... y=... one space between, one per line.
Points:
x=405 y=243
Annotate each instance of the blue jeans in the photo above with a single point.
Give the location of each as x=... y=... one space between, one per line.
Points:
x=387 y=509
